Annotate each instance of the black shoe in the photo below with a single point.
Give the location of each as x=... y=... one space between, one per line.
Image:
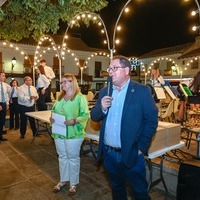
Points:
x=3 y=139
x=37 y=135
x=11 y=128
x=22 y=136
x=4 y=132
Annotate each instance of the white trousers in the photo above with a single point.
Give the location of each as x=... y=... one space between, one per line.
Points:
x=68 y=151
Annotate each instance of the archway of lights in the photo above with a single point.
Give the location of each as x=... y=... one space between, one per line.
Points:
x=147 y=71
x=188 y=63
x=93 y=55
x=84 y=65
x=46 y=43
x=159 y=60
x=16 y=47
x=88 y=17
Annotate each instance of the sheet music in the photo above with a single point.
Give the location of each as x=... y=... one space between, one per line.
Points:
x=169 y=91
x=58 y=126
x=186 y=91
x=160 y=92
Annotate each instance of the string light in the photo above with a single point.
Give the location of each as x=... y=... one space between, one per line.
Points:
x=17 y=48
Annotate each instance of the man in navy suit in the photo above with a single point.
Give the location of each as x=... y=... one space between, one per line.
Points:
x=129 y=120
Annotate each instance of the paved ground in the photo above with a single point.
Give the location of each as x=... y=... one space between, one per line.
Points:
x=30 y=171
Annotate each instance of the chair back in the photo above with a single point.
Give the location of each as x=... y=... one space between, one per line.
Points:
x=176 y=104
x=168 y=112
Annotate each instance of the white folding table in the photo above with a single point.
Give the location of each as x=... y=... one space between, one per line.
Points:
x=160 y=153
x=40 y=116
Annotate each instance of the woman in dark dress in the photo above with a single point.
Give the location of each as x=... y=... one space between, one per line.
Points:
x=14 y=108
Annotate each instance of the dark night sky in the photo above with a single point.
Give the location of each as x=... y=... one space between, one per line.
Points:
x=151 y=24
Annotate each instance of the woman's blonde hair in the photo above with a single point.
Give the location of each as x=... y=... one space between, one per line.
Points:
x=75 y=87
x=157 y=73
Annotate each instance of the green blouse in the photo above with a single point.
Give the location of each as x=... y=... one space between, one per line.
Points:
x=73 y=109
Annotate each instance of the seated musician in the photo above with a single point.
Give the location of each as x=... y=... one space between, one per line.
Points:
x=194 y=86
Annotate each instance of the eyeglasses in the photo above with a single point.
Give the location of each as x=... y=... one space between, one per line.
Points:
x=114 y=68
x=65 y=82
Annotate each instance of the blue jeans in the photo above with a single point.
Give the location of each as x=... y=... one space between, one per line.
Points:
x=119 y=176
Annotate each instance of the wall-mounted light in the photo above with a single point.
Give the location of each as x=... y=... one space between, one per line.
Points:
x=14 y=60
x=194 y=28
x=194 y=12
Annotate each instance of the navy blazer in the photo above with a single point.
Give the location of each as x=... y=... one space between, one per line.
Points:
x=138 y=125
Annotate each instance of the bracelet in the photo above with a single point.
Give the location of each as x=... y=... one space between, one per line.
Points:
x=75 y=121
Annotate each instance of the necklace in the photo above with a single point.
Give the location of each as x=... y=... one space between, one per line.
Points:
x=67 y=97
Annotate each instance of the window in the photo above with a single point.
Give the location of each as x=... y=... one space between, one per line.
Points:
x=29 y=61
x=55 y=63
x=97 y=72
x=194 y=64
x=156 y=65
x=169 y=65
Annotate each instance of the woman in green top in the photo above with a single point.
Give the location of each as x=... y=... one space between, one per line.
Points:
x=73 y=105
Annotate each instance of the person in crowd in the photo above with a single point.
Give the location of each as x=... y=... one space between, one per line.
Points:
x=195 y=89
x=4 y=104
x=73 y=105
x=41 y=85
x=156 y=78
x=8 y=88
x=26 y=100
x=129 y=120
x=49 y=73
x=14 y=107
x=183 y=102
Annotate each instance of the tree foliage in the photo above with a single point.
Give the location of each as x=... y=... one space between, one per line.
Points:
x=32 y=18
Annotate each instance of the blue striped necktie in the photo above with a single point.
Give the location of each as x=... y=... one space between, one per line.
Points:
x=2 y=93
x=29 y=93
x=29 y=90
x=13 y=90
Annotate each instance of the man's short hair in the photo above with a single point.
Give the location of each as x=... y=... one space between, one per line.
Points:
x=124 y=61
x=42 y=60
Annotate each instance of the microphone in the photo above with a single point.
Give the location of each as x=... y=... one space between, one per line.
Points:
x=109 y=85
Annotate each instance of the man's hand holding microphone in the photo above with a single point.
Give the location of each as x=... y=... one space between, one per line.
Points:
x=106 y=101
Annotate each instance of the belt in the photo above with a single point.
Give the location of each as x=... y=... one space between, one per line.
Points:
x=116 y=149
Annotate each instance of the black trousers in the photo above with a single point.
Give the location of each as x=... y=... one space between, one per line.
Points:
x=2 y=118
x=48 y=94
x=14 y=113
x=24 y=117
x=41 y=103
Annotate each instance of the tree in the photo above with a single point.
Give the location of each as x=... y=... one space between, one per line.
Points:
x=32 y=18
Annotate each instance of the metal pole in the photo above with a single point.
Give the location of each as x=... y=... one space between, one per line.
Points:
x=81 y=75
x=60 y=71
x=198 y=6
x=116 y=24
x=33 y=75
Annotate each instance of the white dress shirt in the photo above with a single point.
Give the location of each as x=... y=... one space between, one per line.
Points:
x=5 y=91
x=16 y=92
x=24 y=97
x=49 y=73
x=42 y=82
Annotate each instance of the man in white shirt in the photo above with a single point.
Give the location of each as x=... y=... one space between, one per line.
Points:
x=4 y=103
x=49 y=73
x=26 y=100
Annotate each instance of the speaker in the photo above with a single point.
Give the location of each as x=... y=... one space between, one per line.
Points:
x=188 y=187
